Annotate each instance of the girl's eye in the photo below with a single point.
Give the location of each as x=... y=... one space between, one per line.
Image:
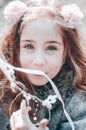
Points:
x=51 y=48
x=29 y=46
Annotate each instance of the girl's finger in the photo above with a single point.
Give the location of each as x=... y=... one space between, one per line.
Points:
x=43 y=124
x=24 y=112
x=24 y=108
x=12 y=121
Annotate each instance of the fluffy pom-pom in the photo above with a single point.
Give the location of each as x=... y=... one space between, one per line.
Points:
x=14 y=11
x=72 y=15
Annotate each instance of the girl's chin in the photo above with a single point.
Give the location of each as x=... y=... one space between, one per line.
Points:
x=37 y=80
x=38 y=83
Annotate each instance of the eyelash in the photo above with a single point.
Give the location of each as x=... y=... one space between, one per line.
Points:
x=29 y=46
x=51 y=48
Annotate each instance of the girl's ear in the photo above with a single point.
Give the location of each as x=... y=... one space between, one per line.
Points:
x=64 y=56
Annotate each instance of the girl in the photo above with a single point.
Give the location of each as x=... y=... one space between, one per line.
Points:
x=43 y=37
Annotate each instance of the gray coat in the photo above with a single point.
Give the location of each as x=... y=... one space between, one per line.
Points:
x=75 y=104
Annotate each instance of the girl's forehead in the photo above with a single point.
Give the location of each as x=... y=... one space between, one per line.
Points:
x=37 y=14
x=40 y=29
x=40 y=24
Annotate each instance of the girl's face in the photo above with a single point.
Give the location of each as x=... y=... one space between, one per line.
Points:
x=41 y=48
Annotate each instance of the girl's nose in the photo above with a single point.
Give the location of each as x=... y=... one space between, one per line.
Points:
x=39 y=60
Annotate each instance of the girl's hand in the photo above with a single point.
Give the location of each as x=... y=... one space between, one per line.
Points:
x=20 y=119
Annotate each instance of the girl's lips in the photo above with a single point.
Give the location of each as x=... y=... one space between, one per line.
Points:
x=39 y=76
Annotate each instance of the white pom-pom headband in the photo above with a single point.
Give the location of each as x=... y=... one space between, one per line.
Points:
x=14 y=11
x=71 y=13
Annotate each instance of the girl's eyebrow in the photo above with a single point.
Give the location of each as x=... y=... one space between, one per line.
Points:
x=54 y=42
x=27 y=41
x=48 y=42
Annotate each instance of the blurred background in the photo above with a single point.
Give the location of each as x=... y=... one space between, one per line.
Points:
x=80 y=3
